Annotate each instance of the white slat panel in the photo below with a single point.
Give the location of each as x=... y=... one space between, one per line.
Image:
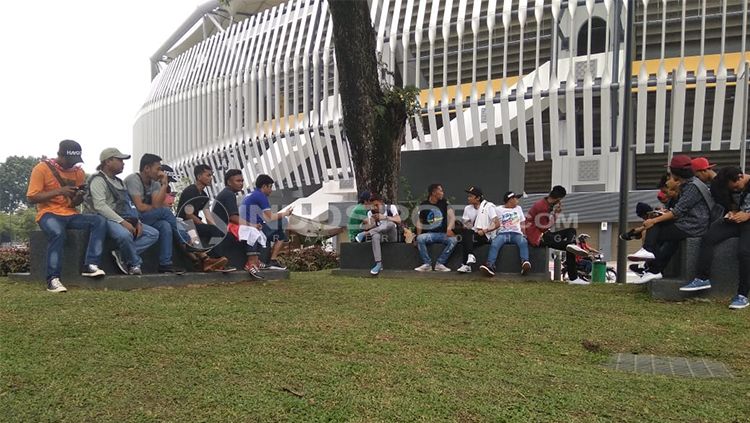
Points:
x=700 y=87
x=272 y=152
x=536 y=86
x=606 y=81
x=312 y=148
x=504 y=88
x=520 y=86
x=721 y=86
x=444 y=100
x=289 y=111
x=476 y=133
x=262 y=100
x=588 y=92
x=435 y=139
x=739 y=94
x=324 y=144
x=405 y=62
x=299 y=139
x=661 y=89
x=554 y=85
x=642 y=109
x=393 y=40
x=570 y=86
x=341 y=145
x=279 y=97
x=678 y=92
x=418 y=35
x=461 y=139
x=326 y=112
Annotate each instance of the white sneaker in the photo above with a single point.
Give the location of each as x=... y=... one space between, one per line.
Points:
x=54 y=285
x=424 y=268
x=465 y=268
x=92 y=271
x=579 y=281
x=574 y=249
x=439 y=267
x=648 y=277
x=641 y=255
x=471 y=259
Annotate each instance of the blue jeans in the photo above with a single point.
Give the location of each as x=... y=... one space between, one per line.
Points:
x=130 y=248
x=54 y=227
x=433 y=238
x=163 y=220
x=508 y=238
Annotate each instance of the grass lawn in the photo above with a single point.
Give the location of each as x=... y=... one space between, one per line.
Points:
x=319 y=347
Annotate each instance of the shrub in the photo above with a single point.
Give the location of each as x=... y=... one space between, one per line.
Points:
x=309 y=259
x=14 y=260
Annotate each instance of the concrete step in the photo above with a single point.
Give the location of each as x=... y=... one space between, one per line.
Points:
x=669 y=290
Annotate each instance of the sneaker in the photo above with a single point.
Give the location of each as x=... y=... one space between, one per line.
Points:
x=169 y=268
x=525 y=268
x=637 y=269
x=471 y=259
x=275 y=265
x=135 y=270
x=360 y=237
x=465 y=268
x=253 y=271
x=648 y=277
x=92 y=271
x=738 y=302
x=120 y=262
x=578 y=281
x=641 y=255
x=696 y=285
x=54 y=285
x=210 y=264
x=574 y=249
x=376 y=269
x=631 y=235
x=440 y=267
x=424 y=268
x=487 y=269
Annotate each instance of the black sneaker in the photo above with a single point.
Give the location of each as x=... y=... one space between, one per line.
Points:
x=120 y=262
x=631 y=235
x=275 y=265
x=487 y=269
x=92 y=271
x=169 y=268
x=637 y=269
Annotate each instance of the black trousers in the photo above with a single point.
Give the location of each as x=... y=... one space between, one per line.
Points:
x=208 y=233
x=559 y=241
x=662 y=240
x=721 y=231
x=469 y=240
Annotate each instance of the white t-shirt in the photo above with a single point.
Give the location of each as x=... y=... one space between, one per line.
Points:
x=470 y=215
x=392 y=210
x=510 y=219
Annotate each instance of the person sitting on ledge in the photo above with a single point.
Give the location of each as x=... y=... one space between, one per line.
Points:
x=381 y=226
x=435 y=226
x=56 y=187
x=479 y=225
x=109 y=198
x=358 y=215
x=736 y=224
x=539 y=221
x=511 y=232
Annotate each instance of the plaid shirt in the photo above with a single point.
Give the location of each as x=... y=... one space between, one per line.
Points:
x=691 y=211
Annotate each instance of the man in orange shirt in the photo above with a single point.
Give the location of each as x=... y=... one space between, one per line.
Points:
x=56 y=187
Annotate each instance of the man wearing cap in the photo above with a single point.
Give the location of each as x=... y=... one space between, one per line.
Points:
x=479 y=226
x=357 y=217
x=703 y=170
x=148 y=190
x=56 y=186
x=511 y=232
x=109 y=198
x=435 y=226
x=690 y=217
x=541 y=219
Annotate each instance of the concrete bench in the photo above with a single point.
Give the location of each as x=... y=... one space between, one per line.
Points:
x=405 y=257
x=74 y=253
x=681 y=270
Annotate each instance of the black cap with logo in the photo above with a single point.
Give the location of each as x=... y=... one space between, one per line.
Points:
x=71 y=151
x=475 y=191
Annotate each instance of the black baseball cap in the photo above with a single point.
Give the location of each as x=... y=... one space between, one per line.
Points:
x=476 y=191
x=171 y=174
x=510 y=194
x=71 y=150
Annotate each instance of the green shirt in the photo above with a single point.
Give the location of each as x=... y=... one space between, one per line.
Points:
x=357 y=216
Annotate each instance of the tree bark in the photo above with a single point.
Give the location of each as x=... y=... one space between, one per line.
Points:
x=373 y=122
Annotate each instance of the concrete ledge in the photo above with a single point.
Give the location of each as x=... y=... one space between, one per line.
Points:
x=411 y=274
x=129 y=282
x=401 y=256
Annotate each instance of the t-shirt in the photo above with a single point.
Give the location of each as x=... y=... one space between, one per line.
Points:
x=42 y=180
x=253 y=206
x=510 y=219
x=356 y=217
x=539 y=220
x=135 y=186
x=470 y=214
x=191 y=195
x=225 y=205
x=391 y=210
x=434 y=217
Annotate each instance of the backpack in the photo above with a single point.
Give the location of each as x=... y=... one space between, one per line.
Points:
x=716 y=211
x=401 y=237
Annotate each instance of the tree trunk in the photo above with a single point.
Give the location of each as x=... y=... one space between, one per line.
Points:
x=374 y=123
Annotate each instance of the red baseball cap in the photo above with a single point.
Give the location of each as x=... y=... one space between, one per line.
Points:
x=701 y=163
x=661 y=196
x=681 y=161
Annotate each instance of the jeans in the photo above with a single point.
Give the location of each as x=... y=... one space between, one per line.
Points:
x=721 y=231
x=663 y=241
x=54 y=227
x=130 y=248
x=423 y=240
x=508 y=238
x=385 y=232
x=165 y=222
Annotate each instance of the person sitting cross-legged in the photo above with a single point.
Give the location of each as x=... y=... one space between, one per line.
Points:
x=511 y=232
x=735 y=224
x=357 y=217
x=479 y=226
x=56 y=188
x=381 y=226
x=435 y=226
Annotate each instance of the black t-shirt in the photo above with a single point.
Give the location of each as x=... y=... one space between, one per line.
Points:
x=434 y=217
x=191 y=195
x=225 y=205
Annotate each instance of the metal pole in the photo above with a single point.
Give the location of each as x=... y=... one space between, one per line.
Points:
x=627 y=119
x=746 y=89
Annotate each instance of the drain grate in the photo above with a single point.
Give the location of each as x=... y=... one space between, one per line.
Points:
x=670 y=366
